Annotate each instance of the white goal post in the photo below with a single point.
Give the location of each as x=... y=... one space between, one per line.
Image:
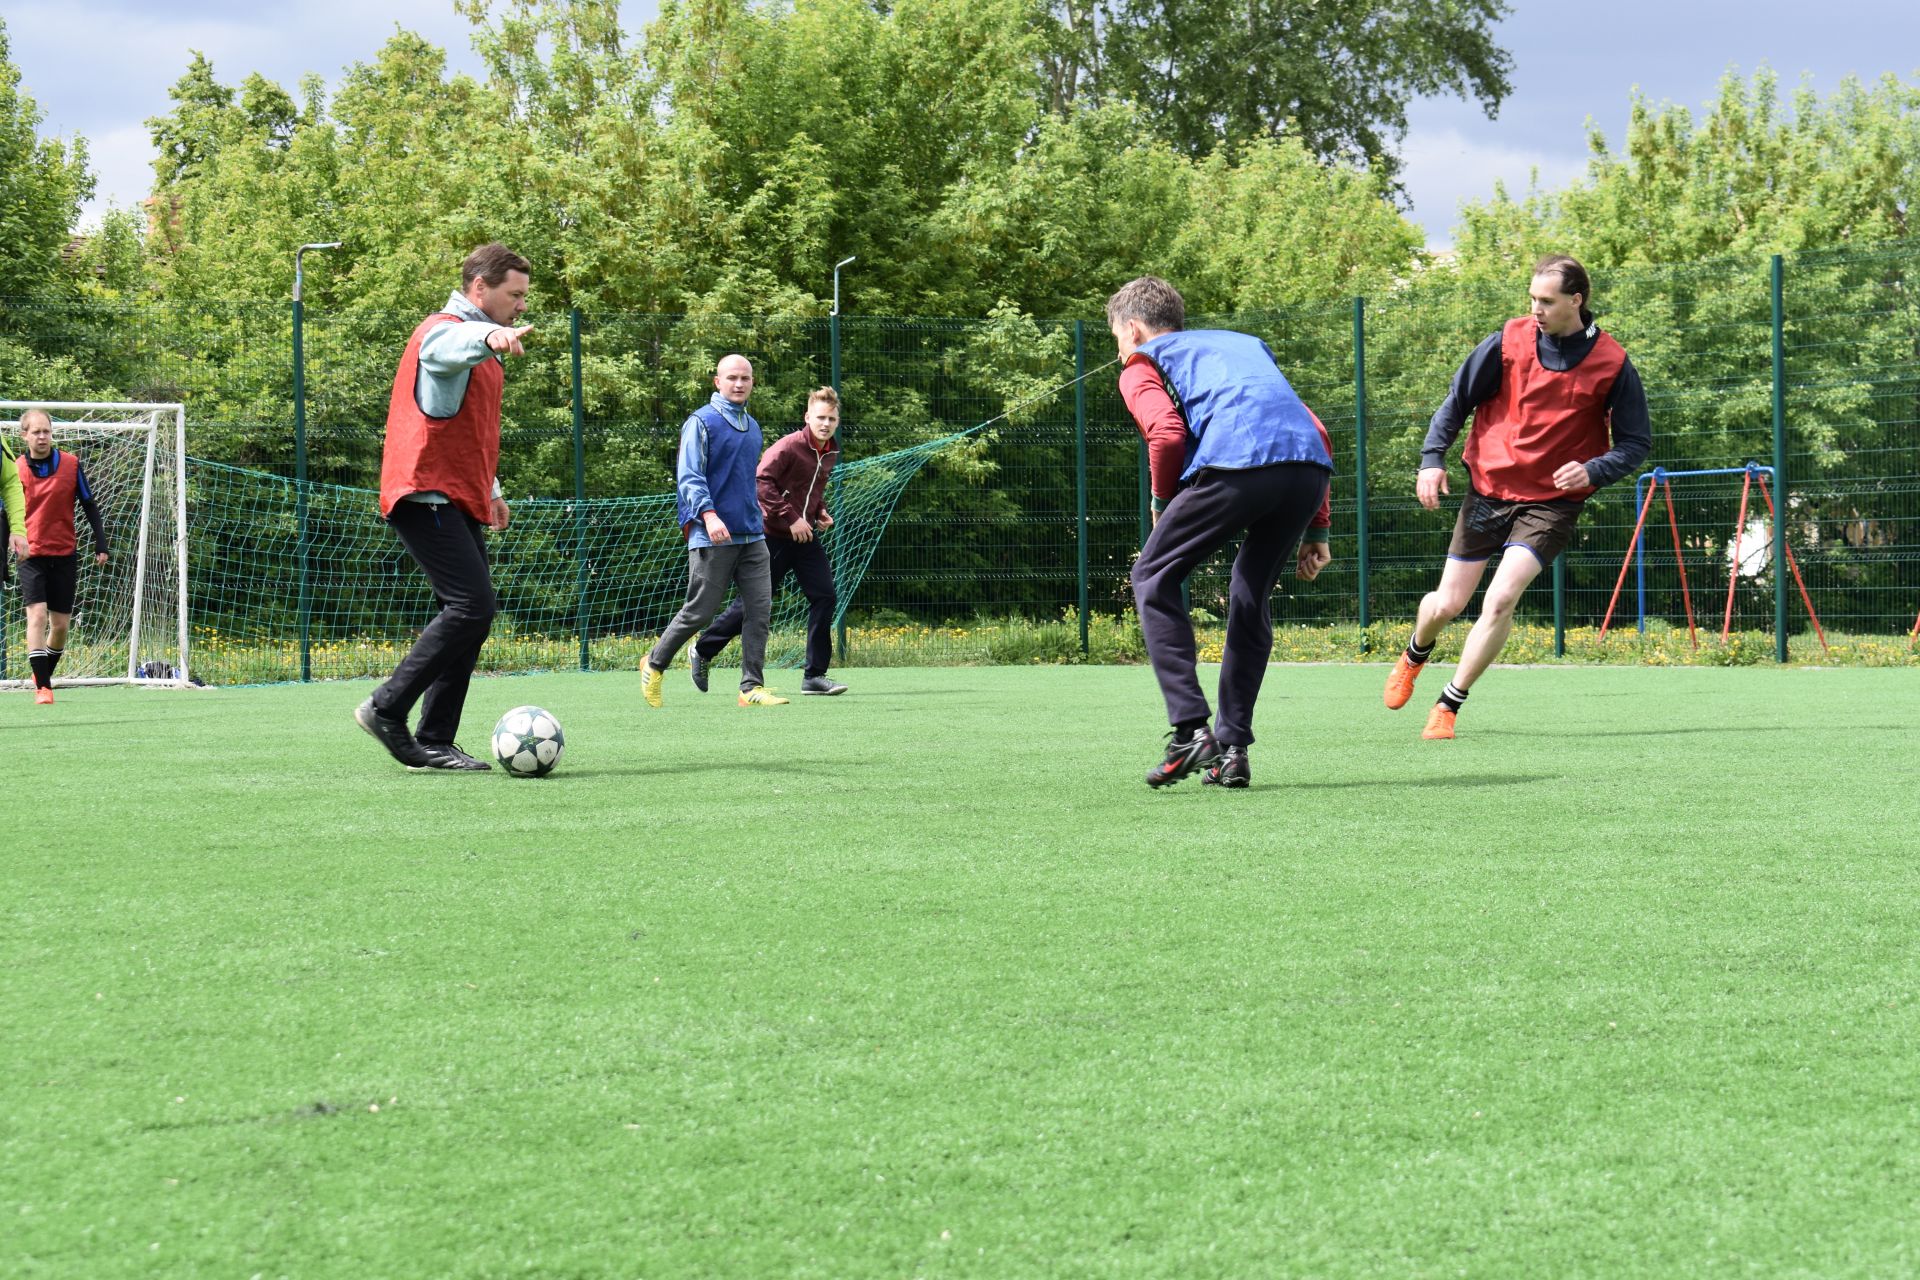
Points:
x=130 y=615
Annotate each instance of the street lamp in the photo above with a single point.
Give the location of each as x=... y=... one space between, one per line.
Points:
x=300 y=458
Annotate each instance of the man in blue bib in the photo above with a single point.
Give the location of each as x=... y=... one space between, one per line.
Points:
x=726 y=539
x=1231 y=453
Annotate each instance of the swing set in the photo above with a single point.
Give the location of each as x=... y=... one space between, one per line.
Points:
x=1661 y=479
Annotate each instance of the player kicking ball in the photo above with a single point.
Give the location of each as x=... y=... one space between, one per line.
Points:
x=1231 y=453
x=1545 y=392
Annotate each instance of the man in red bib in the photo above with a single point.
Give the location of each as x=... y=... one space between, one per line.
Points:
x=438 y=491
x=1546 y=393
x=53 y=482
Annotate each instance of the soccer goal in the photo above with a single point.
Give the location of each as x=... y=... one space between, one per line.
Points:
x=130 y=614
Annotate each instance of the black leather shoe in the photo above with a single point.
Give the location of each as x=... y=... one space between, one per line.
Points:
x=697 y=668
x=1183 y=758
x=448 y=755
x=822 y=685
x=1230 y=770
x=391 y=734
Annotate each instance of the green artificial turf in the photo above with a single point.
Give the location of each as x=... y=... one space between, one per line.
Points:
x=923 y=981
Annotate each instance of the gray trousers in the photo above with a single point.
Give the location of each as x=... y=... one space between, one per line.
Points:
x=709 y=571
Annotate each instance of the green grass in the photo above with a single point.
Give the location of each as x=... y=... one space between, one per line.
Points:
x=924 y=981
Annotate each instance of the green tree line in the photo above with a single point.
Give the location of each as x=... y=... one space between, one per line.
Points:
x=688 y=187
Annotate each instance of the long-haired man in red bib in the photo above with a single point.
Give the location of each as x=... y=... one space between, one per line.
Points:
x=1558 y=412
x=438 y=492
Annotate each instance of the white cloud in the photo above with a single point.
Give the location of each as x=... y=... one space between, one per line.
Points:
x=122 y=162
x=1444 y=168
x=100 y=69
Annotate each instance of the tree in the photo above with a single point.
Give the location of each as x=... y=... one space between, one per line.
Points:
x=43 y=182
x=1338 y=74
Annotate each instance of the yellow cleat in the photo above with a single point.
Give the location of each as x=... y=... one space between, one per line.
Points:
x=761 y=696
x=650 y=683
x=1439 y=722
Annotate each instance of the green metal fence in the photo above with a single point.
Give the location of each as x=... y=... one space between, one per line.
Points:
x=1808 y=363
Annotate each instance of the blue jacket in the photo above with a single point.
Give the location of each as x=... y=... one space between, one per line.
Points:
x=719 y=449
x=1240 y=411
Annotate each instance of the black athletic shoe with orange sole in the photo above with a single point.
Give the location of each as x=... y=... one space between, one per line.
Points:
x=1183 y=758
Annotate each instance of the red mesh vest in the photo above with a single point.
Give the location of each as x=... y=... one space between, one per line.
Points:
x=1540 y=420
x=50 y=505
x=455 y=455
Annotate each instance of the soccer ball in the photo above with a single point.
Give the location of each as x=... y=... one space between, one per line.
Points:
x=527 y=742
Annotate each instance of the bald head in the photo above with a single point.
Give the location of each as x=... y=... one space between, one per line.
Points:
x=734 y=378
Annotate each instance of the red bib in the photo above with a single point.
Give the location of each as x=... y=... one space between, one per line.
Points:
x=50 y=504
x=1540 y=420
x=456 y=455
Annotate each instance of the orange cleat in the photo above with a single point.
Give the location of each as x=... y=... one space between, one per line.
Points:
x=1439 y=722
x=43 y=697
x=1400 y=682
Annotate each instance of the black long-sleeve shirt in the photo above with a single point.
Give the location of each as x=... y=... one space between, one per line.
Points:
x=1478 y=379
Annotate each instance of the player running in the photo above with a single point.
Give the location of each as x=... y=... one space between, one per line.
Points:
x=1545 y=391
x=792 y=483
x=53 y=482
x=1231 y=453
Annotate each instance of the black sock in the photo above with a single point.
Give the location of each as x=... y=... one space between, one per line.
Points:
x=1184 y=731
x=53 y=660
x=1452 y=696
x=1418 y=653
x=42 y=668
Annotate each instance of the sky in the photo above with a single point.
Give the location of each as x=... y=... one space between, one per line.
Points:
x=100 y=68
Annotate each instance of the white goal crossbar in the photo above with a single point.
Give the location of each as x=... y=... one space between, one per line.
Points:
x=153 y=517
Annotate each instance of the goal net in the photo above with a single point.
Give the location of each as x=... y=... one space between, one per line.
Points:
x=130 y=614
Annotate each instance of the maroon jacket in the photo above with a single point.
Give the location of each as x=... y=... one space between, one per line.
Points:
x=792 y=479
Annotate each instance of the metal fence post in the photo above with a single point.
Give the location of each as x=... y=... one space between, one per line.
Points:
x=300 y=491
x=1080 y=464
x=579 y=489
x=1779 y=464
x=1360 y=458
x=833 y=372
x=1560 y=605
x=1146 y=494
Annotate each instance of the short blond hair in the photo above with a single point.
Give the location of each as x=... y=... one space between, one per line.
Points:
x=827 y=394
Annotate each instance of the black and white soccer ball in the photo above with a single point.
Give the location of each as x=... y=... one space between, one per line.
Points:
x=527 y=742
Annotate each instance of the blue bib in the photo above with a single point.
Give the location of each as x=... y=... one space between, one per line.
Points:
x=732 y=456
x=1240 y=410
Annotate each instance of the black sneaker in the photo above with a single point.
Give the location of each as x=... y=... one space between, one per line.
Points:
x=1183 y=758
x=697 y=668
x=823 y=686
x=393 y=735
x=448 y=755
x=1230 y=770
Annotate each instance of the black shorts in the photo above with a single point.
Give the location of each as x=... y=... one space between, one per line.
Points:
x=50 y=580
x=1487 y=525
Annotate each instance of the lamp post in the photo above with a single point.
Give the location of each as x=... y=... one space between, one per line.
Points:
x=300 y=457
x=833 y=357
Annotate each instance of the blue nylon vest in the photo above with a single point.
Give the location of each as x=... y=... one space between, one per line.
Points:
x=1240 y=410
x=731 y=458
